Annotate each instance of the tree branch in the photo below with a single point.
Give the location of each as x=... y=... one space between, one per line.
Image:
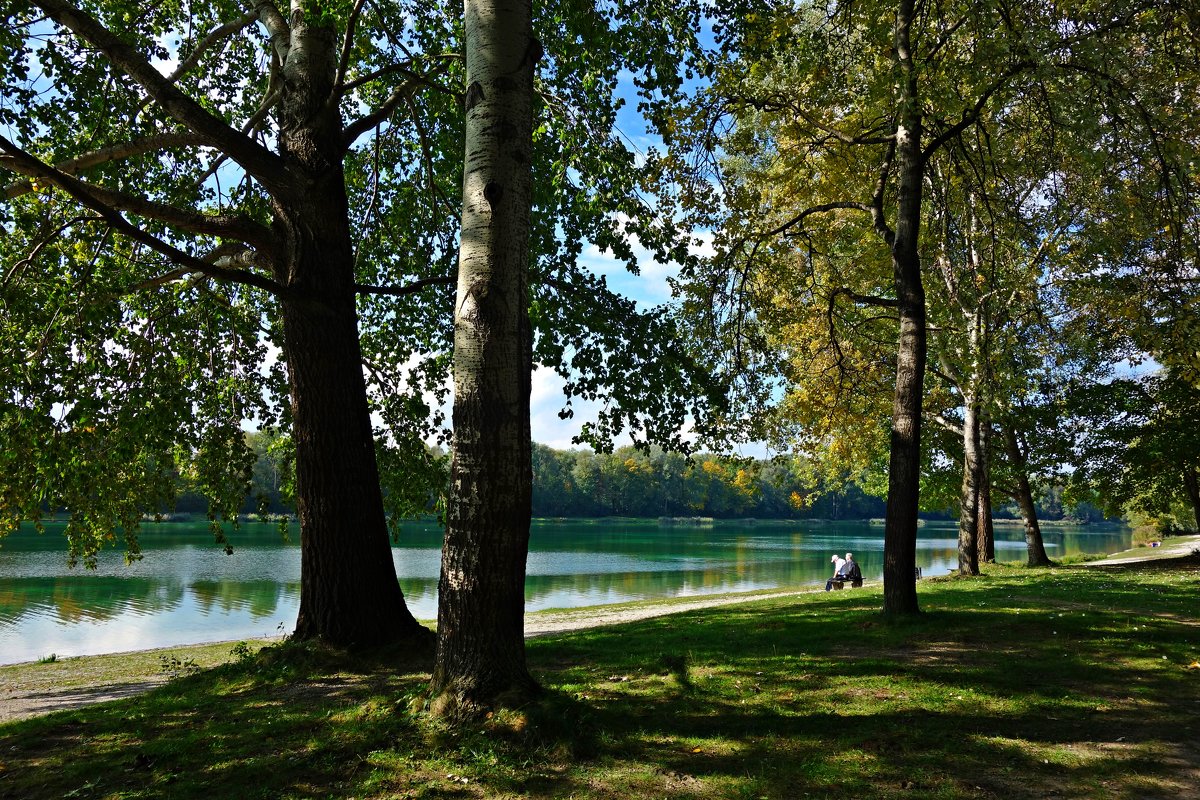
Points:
x=105 y=155
x=278 y=30
x=403 y=92
x=86 y=195
x=876 y=207
x=862 y=299
x=231 y=226
x=407 y=289
x=257 y=160
x=344 y=60
x=949 y=425
x=216 y=35
x=808 y=212
x=970 y=115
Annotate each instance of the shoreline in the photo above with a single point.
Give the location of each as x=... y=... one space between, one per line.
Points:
x=34 y=688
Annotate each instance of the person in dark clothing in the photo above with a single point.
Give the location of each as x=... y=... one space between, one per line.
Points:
x=851 y=570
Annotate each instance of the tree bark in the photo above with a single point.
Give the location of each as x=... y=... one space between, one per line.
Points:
x=985 y=530
x=349 y=593
x=1035 y=547
x=481 y=645
x=904 y=471
x=1192 y=483
x=968 y=508
x=968 y=504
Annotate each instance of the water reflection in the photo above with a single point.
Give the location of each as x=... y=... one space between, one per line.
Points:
x=187 y=590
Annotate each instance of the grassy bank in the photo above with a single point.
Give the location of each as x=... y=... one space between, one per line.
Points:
x=1071 y=683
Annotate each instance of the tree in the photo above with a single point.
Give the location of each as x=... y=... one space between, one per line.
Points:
x=166 y=246
x=481 y=609
x=1137 y=445
x=846 y=145
x=819 y=142
x=229 y=215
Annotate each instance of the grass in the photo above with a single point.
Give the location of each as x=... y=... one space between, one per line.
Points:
x=1068 y=683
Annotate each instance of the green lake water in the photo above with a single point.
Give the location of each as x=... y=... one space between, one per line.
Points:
x=187 y=590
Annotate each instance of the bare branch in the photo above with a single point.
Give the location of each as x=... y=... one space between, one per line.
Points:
x=870 y=137
x=347 y=43
x=876 y=207
x=862 y=299
x=42 y=243
x=405 y=68
x=230 y=226
x=277 y=27
x=808 y=212
x=970 y=115
x=949 y=425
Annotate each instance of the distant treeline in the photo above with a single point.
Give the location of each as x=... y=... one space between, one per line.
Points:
x=653 y=484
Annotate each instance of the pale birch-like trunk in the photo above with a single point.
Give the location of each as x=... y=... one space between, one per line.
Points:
x=968 y=512
x=481 y=646
x=904 y=469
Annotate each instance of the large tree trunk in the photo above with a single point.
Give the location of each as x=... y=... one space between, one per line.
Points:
x=349 y=594
x=481 y=611
x=1192 y=483
x=1035 y=547
x=904 y=471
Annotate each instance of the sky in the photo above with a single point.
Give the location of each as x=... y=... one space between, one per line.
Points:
x=650 y=288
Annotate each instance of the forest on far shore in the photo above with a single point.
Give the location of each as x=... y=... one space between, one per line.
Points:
x=632 y=482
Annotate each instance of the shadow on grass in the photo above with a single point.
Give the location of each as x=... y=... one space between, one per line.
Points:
x=1070 y=683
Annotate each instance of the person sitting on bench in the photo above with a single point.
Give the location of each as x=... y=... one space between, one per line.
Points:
x=852 y=571
x=838 y=564
x=847 y=570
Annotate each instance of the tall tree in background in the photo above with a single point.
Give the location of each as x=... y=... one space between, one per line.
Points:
x=481 y=609
x=811 y=134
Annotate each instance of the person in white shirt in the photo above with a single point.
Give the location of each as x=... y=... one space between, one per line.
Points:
x=838 y=563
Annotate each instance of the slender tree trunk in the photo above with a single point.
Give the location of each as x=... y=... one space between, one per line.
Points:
x=349 y=594
x=968 y=504
x=904 y=471
x=985 y=530
x=968 y=508
x=1192 y=483
x=481 y=644
x=1034 y=545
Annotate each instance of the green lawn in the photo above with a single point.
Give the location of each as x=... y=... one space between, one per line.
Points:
x=1077 y=682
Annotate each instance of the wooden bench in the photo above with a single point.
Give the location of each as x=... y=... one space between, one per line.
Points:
x=840 y=583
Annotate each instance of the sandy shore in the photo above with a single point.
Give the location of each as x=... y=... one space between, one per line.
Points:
x=29 y=690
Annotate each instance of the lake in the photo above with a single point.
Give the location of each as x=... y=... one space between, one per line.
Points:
x=186 y=590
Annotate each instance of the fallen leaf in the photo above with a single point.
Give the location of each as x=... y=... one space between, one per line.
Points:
x=697 y=750
x=1193 y=665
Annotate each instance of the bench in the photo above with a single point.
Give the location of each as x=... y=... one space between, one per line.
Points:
x=840 y=583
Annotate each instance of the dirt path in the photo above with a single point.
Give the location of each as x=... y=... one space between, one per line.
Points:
x=28 y=690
